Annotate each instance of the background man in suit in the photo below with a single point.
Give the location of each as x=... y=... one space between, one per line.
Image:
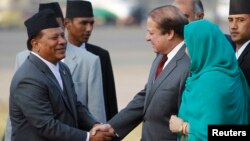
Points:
x=85 y=67
x=192 y=9
x=161 y=96
x=43 y=103
x=79 y=35
x=21 y=56
x=239 y=27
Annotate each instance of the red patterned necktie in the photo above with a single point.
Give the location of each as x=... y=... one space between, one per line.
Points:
x=160 y=65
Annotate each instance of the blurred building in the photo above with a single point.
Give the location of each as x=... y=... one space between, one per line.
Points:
x=115 y=12
x=122 y=12
x=12 y=13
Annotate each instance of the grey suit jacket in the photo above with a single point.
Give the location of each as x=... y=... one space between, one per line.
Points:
x=86 y=72
x=40 y=110
x=85 y=68
x=156 y=102
x=20 y=58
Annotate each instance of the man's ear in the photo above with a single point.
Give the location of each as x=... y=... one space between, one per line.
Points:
x=200 y=15
x=35 y=45
x=66 y=22
x=170 y=34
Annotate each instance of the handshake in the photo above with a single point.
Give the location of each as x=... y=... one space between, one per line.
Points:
x=102 y=132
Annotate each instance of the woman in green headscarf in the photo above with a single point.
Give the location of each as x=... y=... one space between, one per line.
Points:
x=216 y=93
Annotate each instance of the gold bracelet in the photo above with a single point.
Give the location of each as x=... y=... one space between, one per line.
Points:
x=181 y=128
x=184 y=131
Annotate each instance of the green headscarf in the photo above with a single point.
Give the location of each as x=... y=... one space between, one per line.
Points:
x=216 y=91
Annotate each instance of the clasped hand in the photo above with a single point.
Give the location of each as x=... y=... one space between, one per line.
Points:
x=102 y=132
x=175 y=124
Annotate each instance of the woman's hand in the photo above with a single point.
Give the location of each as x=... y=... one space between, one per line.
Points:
x=176 y=124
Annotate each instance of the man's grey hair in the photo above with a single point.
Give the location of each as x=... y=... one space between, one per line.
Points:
x=197 y=7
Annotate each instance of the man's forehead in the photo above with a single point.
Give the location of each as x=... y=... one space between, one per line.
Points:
x=185 y=7
x=51 y=31
x=239 y=16
x=187 y=3
x=84 y=18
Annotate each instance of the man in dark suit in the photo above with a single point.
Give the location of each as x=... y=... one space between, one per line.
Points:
x=21 y=56
x=239 y=27
x=85 y=10
x=43 y=103
x=161 y=96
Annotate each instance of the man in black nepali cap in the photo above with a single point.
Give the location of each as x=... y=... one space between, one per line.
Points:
x=85 y=66
x=239 y=27
x=43 y=103
x=21 y=56
x=79 y=22
x=55 y=7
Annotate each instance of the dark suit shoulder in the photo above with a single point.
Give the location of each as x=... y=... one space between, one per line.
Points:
x=244 y=63
x=96 y=49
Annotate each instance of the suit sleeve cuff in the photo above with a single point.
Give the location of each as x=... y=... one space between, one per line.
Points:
x=87 y=139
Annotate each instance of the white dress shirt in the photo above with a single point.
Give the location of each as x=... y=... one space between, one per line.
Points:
x=53 y=68
x=172 y=53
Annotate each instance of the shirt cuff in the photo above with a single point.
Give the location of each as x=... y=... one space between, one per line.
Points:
x=87 y=139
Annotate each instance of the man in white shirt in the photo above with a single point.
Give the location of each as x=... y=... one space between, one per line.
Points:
x=22 y=56
x=160 y=98
x=239 y=27
x=43 y=102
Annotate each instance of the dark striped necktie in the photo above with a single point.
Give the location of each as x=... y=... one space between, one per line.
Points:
x=160 y=65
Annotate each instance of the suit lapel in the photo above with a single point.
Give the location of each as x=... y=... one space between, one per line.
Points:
x=49 y=74
x=52 y=78
x=45 y=69
x=68 y=99
x=61 y=92
x=151 y=78
x=244 y=53
x=155 y=84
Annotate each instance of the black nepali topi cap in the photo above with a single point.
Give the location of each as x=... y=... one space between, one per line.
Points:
x=239 y=7
x=41 y=20
x=79 y=8
x=53 y=6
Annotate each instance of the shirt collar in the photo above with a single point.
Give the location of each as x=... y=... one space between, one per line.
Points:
x=242 y=48
x=51 y=66
x=83 y=45
x=173 y=52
